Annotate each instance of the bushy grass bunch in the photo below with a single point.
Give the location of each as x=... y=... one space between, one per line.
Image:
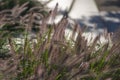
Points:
x=48 y=55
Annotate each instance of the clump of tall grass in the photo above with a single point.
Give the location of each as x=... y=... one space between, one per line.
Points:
x=50 y=56
x=116 y=36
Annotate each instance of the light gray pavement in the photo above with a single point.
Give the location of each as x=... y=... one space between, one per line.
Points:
x=86 y=13
x=79 y=9
x=83 y=8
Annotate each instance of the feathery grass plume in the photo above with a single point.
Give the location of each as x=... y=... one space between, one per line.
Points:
x=116 y=36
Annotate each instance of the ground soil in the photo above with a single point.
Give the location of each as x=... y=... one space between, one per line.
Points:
x=108 y=5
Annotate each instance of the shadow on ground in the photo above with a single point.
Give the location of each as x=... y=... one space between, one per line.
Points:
x=106 y=20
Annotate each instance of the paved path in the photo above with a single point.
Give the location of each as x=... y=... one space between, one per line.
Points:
x=80 y=7
x=83 y=8
x=86 y=13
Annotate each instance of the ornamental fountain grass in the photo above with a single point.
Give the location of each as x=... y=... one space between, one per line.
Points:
x=49 y=55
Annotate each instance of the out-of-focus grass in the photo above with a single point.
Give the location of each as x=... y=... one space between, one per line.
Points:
x=48 y=55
